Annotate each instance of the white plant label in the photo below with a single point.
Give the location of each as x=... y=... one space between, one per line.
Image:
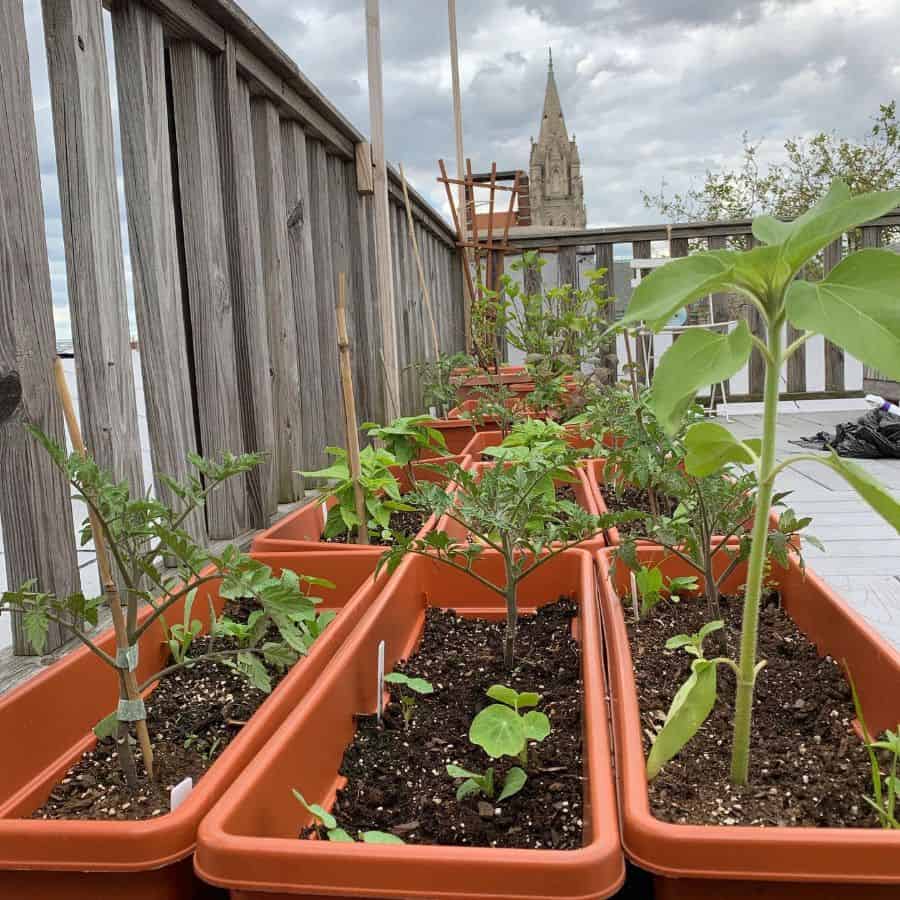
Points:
x=180 y=793
x=432 y=411
x=324 y=513
x=635 y=599
x=380 y=702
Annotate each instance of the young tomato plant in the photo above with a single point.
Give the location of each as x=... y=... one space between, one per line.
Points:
x=653 y=586
x=407 y=438
x=528 y=436
x=511 y=509
x=139 y=534
x=438 y=382
x=854 y=306
x=334 y=832
x=381 y=492
x=409 y=684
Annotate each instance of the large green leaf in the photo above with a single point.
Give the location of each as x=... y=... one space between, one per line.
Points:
x=696 y=359
x=711 y=446
x=666 y=289
x=872 y=491
x=515 y=781
x=836 y=213
x=689 y=710
x=499 y=730
x=857 y=307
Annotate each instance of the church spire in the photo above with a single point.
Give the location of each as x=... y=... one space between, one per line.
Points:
x=553 y=125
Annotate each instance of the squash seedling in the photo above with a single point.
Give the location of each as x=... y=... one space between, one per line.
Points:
x=334 y=832
x=854 y=306
x=139 y=534
x=407 y=700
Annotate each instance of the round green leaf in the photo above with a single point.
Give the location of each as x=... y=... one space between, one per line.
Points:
x=711 y=446
x=498 y=730
x=503 y=694
x=537 y=725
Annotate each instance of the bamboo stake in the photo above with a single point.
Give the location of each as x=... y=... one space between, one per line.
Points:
x=463 y=256
x=350 y=409
x=415 y=245
x=129 y=682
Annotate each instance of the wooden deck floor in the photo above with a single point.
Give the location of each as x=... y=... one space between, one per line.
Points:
x=862 y=552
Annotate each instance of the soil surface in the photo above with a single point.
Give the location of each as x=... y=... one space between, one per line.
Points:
x=396 y=775
x=618 y=498
x=192 y=716
x=807 y=767
x=406 y=522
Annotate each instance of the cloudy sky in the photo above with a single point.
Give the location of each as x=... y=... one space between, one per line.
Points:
x=653 y=89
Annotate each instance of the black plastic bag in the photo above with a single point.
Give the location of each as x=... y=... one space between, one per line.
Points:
x=876 y=435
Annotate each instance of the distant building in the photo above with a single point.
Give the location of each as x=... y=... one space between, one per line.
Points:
x=556 y=189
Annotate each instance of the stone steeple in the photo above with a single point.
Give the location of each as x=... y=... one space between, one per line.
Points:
x=557 y=191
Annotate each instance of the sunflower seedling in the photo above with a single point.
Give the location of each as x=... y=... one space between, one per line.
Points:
x=407 y=699
x=326 y=820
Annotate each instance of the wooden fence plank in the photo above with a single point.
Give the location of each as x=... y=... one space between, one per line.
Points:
x=320 y=218
x=279 y=303
x=251 y=344
x=871 y=236
x=82 y=127
x=159 y=304
x=834 y=355
x=603 y=259
x=642 y=250
x=567 y=265
x=35 y=511
x=757 y=367
x=205 y=258
x=303 y=284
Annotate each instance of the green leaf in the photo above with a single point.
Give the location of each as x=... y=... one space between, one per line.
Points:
x=857 y=306
x=458 y=772
x=537 y=725
x=872 y=491
x=467 y=788
x=340 y=836
x=526 y=699
x=711 y=446
x=35 y=623
x=503 y=694
x=666 y=289
x=836 y=213
x=515 y=781
x=499 y=730
x=279 y=654
x=696 y=359
x=676 y=642
x=316 y=811
x=107 y=726
x=689 y=710
x=380 y=837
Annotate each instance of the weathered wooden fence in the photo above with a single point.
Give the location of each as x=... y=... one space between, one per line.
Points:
x=246 y=193
x=818 y=369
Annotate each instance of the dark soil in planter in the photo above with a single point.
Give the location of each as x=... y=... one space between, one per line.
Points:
x=807 y=765
x=396 y=776
x=192 y=715
x=406 y=522
x=618 y=498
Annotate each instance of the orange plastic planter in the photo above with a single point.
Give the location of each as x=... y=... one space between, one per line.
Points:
x=713 y=861
x=302 y=529
x=472 y=387
x=46 y=724
x=484 y=439
x=249 y=841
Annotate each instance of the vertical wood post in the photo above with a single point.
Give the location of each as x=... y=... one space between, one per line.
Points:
x=82 y=127
x=642 y=250
x=871 y=237
x=303 y=286
x=384 y=262
x=251 y=344
x=834 y=355
x=205 y=257
x=282 y=324
x=757 y=368
x=603 y=259
x=34 y=500
x=568 y=267
x=149 y=193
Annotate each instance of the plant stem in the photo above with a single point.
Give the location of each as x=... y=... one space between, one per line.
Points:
x=512 y=609
x=740 y=753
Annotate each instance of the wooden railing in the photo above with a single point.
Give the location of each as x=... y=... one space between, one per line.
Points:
x=806 y=373
x=247 y=193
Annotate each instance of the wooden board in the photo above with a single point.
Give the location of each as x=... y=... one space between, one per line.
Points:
x=159 y=303
x=206 y=266
x=279 y=306
x=35 y=511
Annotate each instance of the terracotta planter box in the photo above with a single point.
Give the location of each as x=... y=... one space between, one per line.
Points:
x=484 y=439
x=468 y=406
x=471 y=386
x=47 y=724
x=302 y=529
x=249 y=841
x=711 y=861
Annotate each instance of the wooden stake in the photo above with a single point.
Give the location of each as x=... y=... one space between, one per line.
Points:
x=109 y=584
x=458 y=129
x=463 y=256
x=350 y=409
x=384 y=267
x=422 y=283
